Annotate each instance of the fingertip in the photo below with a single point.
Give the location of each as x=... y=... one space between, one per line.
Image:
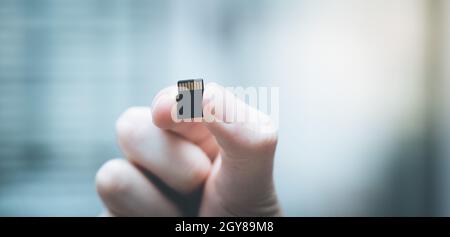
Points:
x=162 y=108
x=161 y=112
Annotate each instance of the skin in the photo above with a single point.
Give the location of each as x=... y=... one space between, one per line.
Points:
x=190 y=169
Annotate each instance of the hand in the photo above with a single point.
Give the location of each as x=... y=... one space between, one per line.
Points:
x=191 y=168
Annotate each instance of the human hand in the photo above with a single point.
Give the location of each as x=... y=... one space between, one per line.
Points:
x=191 y=168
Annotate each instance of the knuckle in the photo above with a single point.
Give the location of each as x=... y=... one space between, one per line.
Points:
x=268 y=133
x=110 y=180
x=262 y=139
x=132 y=126
x=192 y=174
x=270 y=139
x=267 y=142
x=196 y=176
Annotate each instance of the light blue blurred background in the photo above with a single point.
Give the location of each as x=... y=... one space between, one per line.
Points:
x=365 y=87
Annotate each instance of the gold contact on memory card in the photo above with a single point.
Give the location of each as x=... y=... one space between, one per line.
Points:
x=190 y=85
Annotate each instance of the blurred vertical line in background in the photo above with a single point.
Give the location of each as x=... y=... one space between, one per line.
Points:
x=434 y=106
x=443 y=163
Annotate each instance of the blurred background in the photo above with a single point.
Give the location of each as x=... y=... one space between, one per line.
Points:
x=364 y=85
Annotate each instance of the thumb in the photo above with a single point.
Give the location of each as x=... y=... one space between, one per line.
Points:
x=247 y=140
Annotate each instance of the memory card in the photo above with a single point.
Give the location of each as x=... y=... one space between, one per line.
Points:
x=190 y=99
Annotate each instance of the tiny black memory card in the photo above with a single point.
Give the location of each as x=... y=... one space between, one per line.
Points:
x=190 y=99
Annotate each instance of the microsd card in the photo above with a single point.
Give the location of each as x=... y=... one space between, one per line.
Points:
x=190 y=99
